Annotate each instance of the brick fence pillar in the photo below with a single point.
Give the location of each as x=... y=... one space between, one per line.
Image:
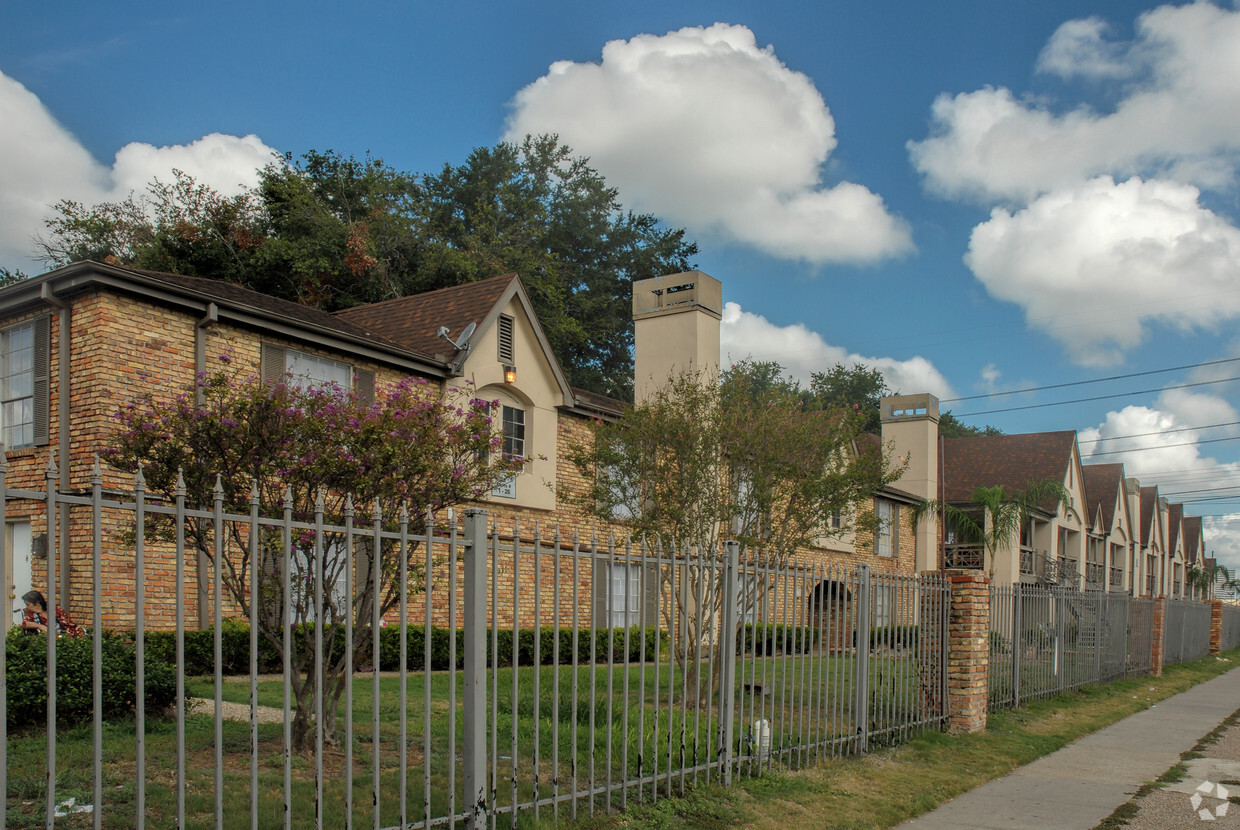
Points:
x=1216 y=626
x=1156 y=644
x=968 y=650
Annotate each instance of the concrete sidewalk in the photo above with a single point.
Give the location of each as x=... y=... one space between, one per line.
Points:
x=1084 y=782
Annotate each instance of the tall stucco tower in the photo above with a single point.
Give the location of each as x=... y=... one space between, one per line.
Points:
x=676 y=328
x=911 y=427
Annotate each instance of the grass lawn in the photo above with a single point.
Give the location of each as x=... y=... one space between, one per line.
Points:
x=621 y=726
x=891 y=785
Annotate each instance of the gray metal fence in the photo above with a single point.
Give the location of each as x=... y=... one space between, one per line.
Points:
x=1047 y=640
x=1186 y=632
x=531 y=672
x=1229 y=636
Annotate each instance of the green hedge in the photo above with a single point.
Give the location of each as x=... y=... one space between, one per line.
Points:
x=775 y=638
x=592 y=645
x=26 y=657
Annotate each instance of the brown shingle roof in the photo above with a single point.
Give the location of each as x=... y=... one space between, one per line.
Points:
x=1013 y=461
x=414 y=321
x=1149 y=502
x=1175 y=514
x=1192 y=532
x=234 y=295
x=1192 y=537
x=1103 y=484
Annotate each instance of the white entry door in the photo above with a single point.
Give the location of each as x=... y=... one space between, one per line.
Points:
x=17 y=548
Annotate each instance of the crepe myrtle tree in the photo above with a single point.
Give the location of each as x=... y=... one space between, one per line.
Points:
x=741 y=457
x=414 y=450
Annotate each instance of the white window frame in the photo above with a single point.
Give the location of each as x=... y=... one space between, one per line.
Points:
x=886 y=533
x=19 y=432
x=309 y=371
x=506 y=487
x=624 y=595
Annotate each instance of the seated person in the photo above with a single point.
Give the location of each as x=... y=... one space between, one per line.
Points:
x=34 y=617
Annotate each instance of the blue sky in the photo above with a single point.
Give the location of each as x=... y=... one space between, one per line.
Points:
x=974 y=196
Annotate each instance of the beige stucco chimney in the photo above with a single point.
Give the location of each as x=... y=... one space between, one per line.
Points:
x=675 y=328
x=911 y=428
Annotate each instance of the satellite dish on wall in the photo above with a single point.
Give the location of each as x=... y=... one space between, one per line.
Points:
x=461 y=343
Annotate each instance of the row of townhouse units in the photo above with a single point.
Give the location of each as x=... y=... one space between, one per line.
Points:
x=1110 y=533
x=79 y=343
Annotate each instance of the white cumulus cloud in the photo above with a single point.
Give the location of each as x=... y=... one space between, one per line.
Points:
x=1130 y=252
x=1178 y=114
x=41 y=163
x=802 y=352
x=704 y=128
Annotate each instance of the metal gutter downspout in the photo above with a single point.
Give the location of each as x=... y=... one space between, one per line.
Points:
x=203 y=567
x=62 y=421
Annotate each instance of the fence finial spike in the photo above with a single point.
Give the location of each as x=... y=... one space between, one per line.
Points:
x=320 y=500
x=217 y=492
x=377 y=512
x=348 y=504
x=180 y=485
x=96 y=470
x=403 y=516
x=51 y=464
x=254 y=491
x=139 y=479
x=288 y=497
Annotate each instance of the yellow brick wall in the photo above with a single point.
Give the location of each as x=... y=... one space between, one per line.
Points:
x=124 y=346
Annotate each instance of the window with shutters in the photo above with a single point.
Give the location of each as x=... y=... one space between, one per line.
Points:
x=505 y=339
x=307 y=371
x=24 y=359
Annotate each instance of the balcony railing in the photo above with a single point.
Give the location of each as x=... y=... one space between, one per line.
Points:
x=1117 y=577
x=1027 y=561
x=1149 y=584
x=964 y=556
x=1095 y=572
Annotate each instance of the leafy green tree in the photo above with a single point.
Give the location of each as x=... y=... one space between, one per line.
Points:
x=536 y=209
x=334 y=231
x=863 y=387
x=709 y=459
x=1206 y=578
x=742 y=457
x=316 y=451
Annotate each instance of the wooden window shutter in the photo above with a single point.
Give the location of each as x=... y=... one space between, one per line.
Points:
x=505 y=339
x=272 y=363
x=42 y=379
x=650 y=595
x=895 y=531
x=602 y=587
x=364 y=385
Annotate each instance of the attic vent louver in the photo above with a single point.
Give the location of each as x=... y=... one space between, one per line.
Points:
x=505 y=339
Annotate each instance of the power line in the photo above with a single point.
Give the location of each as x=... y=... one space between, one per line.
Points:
x=1165 y=446
x=1086 y=382
x=1096 y=398
x=1157 y=432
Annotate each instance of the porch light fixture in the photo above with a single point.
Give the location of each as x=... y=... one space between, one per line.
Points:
x=510 y=373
